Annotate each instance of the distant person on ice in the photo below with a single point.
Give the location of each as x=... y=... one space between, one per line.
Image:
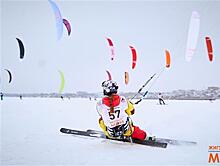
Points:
x=160 y=97
x=1 y=96
x=115 y=111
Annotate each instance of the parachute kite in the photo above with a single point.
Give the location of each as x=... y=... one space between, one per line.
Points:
x=134 y=56
x=62 y=81
x=126 y=78
x=10 y=76
x=167 y=59
x=59 y=19
x=21 y=47
x=109 y=75
x=209 y=48
x=68 y=26
x=110 y=43
x=192 y=35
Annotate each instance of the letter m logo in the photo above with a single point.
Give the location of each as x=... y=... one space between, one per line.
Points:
x=213 y=159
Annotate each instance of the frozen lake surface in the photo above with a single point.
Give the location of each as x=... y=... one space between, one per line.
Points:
x=30 y=133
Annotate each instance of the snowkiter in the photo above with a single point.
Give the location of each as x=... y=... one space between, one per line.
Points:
x=115 y=112
x=1 y=94
x=160 y=97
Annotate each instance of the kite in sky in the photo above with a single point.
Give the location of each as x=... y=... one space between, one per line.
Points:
x=209 y=48
x=109 y=75
x=126 y=78
x=62 y=81
x=110 y=43
x=59 y=19
x=68 y=26
x=193 y=35
x=167 y=58
x=10 y=75
x=134 y=56
x=21 y=48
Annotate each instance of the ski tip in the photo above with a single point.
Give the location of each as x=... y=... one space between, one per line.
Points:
x=62 y=129
x=164 y=145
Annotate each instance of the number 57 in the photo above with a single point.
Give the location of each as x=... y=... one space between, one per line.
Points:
x=112 y=115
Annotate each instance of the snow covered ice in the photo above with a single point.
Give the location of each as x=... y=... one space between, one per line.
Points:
x=30 y=133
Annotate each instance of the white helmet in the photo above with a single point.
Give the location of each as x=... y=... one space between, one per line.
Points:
x=109 y=87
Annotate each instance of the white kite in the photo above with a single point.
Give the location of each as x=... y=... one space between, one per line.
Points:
x=193 y=35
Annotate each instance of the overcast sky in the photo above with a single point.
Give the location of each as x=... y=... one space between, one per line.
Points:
x=149 y=26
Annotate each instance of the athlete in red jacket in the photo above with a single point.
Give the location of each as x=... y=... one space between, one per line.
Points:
x=115 y=112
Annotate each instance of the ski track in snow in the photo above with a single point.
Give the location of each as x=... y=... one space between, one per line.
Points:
x=30 y=133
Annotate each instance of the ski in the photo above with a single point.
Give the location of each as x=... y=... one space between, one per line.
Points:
x=99 y=134
x=166 y=140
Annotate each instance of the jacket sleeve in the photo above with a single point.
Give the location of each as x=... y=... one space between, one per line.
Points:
x=130 y=110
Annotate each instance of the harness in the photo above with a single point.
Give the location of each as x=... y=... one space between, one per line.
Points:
x=119 y=131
